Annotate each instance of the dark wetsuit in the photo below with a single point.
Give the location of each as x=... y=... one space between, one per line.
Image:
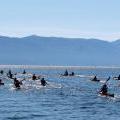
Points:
x=16 y=83
x=66 y=73
x=72 y=74
x=95 y=79
x=1 y=72
x=43 y=82
x=1 y=83
x=104 y=89
x=119 y=77
x=24 y=72
x=34 y=77
x=11 y=76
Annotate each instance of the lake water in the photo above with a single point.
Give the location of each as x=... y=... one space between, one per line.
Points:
x=64 y=98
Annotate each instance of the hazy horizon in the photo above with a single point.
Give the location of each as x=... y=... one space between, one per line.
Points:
x=71 y=19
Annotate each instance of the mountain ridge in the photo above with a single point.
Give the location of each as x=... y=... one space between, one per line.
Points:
x=53 y=37
x=58 y=51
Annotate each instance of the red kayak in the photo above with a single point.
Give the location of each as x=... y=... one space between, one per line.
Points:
x=107 y=95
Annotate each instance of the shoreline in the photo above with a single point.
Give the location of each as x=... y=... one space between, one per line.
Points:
x=55 y=67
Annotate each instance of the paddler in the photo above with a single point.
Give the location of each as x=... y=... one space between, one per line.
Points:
x=1 y=83
x=34 y=77
x=66 y=73
x=24 y=72
x=17 y=83
x=104 y=89
x=43 y=82
x=95 y=79
x=119 y=77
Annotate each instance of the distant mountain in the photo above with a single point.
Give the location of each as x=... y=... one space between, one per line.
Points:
x=58 y=51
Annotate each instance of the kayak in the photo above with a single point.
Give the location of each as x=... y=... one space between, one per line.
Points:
x=107 y=95
x=17 y=88
x=67 y=75
x=95 y=80
x=116 y=78
x=1 y=83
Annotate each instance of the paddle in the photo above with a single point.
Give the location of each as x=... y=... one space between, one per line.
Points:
x=104 y=83
x=107 y=80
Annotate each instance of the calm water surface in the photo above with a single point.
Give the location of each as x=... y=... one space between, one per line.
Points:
x=64 y=98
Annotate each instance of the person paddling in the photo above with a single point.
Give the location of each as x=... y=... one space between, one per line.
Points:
x=104 y=89
x=24 y=72
x=34 y=77
x=43 y=82
x=66 y=73
x=1 y=72
x=9 y=74
x=72 y=74
x=17 y=83
x=1 y=83
x=119 y=77
x=95 y=79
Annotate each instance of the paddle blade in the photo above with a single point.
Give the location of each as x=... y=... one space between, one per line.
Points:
x=108 y=79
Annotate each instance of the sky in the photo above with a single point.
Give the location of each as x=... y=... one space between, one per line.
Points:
x=61 y=18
